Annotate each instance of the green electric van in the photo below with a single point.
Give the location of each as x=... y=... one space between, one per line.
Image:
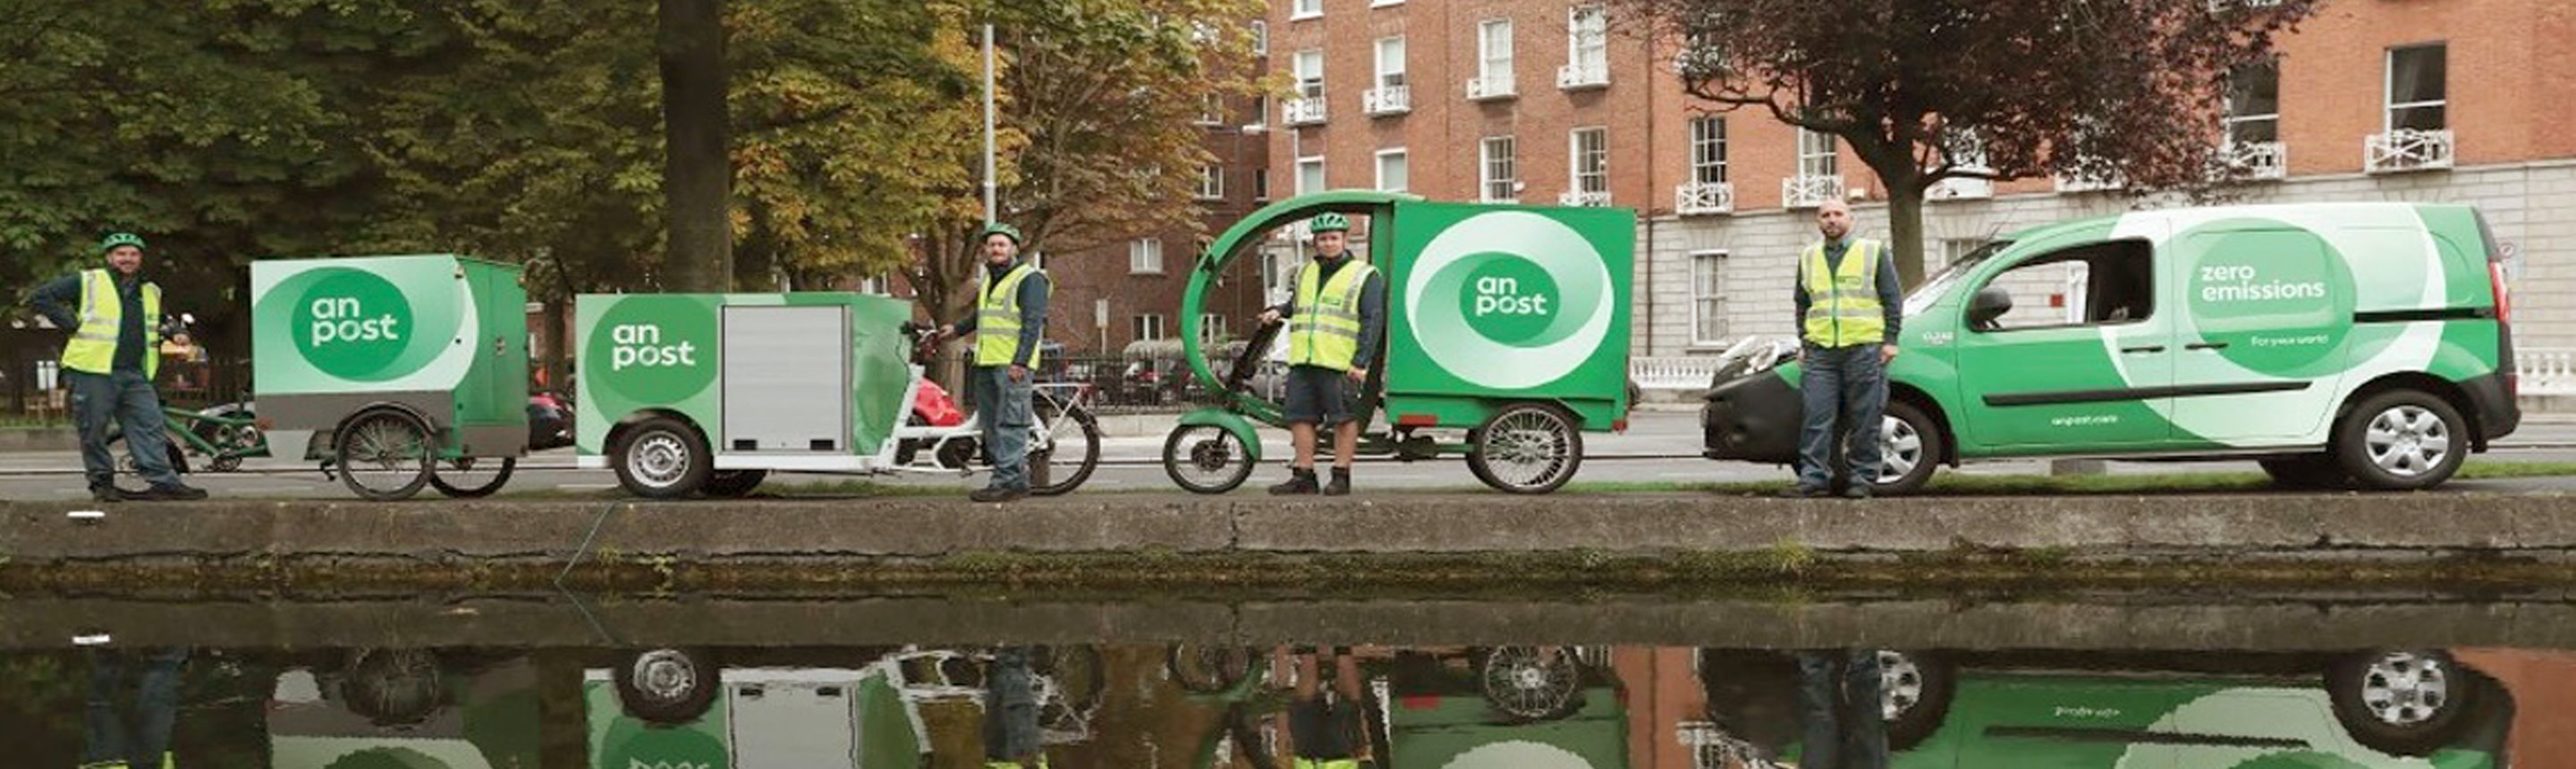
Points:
x=2362 y=344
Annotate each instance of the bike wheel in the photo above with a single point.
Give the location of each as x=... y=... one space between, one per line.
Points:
x=472 y=477
x=1206 y=459
x=1070 y=452
x=384 y=455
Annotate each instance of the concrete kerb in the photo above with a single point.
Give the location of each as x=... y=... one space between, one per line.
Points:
x=865 y=530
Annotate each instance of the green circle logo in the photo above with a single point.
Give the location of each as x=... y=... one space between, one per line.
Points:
x=1533 y=299
x=653 y=349
x=351 y=324
x=1509 y=299
x=2281 y=300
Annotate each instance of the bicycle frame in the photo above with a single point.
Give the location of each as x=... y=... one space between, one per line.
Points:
x=932 y=439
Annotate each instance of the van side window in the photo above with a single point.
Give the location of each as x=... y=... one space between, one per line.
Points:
x=2089 y=285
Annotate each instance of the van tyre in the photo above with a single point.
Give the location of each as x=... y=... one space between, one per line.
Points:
x=1914 y=695
x=2310 y=471
x=1910 y=449
x=2401 y=440
x=2402 y=702
x=661 y=458
x=667 y=687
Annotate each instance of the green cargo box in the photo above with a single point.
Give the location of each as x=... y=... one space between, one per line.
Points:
x=681 y=393
x=377 y=348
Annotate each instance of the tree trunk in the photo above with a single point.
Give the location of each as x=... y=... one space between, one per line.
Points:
x=550 y=334
x=1905 y=229
x=696 y=174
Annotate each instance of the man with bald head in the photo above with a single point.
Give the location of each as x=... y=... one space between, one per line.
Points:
x=1849 y=307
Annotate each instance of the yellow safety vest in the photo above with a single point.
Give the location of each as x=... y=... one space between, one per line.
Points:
x=1329 y=763
x=1842 y=305
x=1326 y=330
x=997 y=318
x=102 y=314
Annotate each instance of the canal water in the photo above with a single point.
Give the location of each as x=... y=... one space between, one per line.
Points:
x=987 y=682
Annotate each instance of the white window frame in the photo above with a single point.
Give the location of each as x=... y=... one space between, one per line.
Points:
x=1260 y=38
x=1702 y=158
x=1308 y=87
x=1399 y=155
x=1299 y=10
x=1260 y=184
x=1486 y=61
x=1708 y=297
x=1145 y=256
x=1385 y=77
x=1598 y=180
x=1211 y=182
x=1487 y=181
x=1211 y=327
x=1321 y=182
x=1212 y=110
x=1147 y=327
x=1814 y=160
x=2388 y=88
x=2231 y=120
x=1598 y=33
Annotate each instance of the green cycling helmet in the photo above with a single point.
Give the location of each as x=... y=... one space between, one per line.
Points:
x=1330 y=222
x=115 y=239
x=998 y=228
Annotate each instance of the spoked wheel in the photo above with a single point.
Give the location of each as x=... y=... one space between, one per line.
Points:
x=385 y=455
x=1206 y=459
x=1069 y=453
x=1529 y=448
x=1530 y=683
x=125 y=463
x=472 y=477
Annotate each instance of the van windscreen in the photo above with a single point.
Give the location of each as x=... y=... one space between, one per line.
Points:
x=1922 y=296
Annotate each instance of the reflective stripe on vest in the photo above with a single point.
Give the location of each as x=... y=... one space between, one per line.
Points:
x=1842 y=304
x=997 y=318
x=102 y=315
x=1326 y=329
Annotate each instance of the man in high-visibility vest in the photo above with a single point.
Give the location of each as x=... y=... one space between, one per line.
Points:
x=115 y=317
x=1009 y=322
x=1336 y=319
x=1326 y=732
x=133 y=707
x=1012 y=737
x=1849 y=307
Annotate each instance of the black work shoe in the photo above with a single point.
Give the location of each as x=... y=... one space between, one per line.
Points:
x=1341 y=484
x=108 y=493
x=998 y=494
x=1299 y=482
x=172 y=493
x=1857 y=491
x=1804 y=492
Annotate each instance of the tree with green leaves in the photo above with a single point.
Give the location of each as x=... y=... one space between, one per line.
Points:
x=1099 y=108
x=1928 y=90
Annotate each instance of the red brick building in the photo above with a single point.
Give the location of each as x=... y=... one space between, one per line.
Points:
x=1556 y=102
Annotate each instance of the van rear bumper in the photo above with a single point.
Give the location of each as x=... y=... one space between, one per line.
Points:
x=1754 y=418
x=2497 y=413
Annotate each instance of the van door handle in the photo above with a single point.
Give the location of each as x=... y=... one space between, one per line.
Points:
x=2146 y=349
x=2205 y=346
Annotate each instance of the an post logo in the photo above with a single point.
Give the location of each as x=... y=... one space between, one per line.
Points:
x=1531 y=299
x=640 y=344
x=653 y=349
x=351 y=324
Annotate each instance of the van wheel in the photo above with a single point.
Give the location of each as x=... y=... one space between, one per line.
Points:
x=2309 y=471
x=2407 y=703
x=1914 y=695
x=661 y=458
x=1909 y=449
x=2401 y=440
x=668 y=687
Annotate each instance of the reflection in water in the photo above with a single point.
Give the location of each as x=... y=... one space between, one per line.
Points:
x=1201 y=707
